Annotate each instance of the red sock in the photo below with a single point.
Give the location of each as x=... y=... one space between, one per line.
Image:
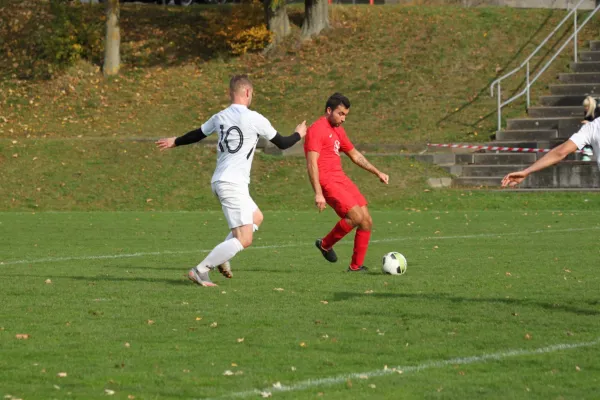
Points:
x=340 y=230
x=361 y=244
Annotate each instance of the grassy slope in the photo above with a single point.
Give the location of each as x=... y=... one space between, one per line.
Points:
x=394 y=62
x=413 y=74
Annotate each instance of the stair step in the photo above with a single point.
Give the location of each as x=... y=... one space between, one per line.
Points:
x=589 y=56
x=566 y=126
x=585 y=66
x=563 y=100
x=529 y=134
x=539 y=123
x=594 y=45
x=580 y=77
x=576 y=89
x=496 y=158
x=558 y=111
x=534 y=144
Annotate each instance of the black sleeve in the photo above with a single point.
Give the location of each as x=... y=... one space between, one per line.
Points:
x=190 y=137
x=285 y=142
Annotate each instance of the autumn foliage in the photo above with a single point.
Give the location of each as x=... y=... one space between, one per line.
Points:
x=41 y=39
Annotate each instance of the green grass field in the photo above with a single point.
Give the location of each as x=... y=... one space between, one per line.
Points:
x=495 y=304
x=97 y=228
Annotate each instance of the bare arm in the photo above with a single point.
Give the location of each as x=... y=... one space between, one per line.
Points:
x=554 y=156
x=312 y=158
x=360 y=160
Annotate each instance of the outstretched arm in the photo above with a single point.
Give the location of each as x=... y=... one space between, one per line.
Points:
x=360 y=160
x=554 y=156
x=285 y=142
x=312 y=158
x=189 y=138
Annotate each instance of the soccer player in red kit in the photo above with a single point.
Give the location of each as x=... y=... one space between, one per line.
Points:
x=325 y=139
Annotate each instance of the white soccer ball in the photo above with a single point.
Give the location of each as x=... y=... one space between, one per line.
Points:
x=394 y=263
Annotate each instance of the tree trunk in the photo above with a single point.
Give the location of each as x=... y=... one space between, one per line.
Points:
x=316 y=17
x=277 y=18
x=112 y=44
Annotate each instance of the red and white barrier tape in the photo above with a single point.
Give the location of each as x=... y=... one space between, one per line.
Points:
x=493 y=148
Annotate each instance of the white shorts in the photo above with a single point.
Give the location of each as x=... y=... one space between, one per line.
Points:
x=236 y=203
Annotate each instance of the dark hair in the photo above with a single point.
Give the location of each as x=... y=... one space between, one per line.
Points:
x=335 y=100
x=238 y=81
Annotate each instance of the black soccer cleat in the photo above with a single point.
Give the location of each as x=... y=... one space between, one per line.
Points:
x=362 y=268
x=328 y=254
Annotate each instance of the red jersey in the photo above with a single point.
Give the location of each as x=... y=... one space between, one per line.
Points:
x=328 y=141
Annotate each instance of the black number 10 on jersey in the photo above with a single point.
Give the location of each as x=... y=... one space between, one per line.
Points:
x=232 y=140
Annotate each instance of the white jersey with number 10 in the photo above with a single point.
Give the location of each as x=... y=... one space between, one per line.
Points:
x=239 y=130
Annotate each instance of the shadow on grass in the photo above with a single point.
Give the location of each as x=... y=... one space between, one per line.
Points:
x=342 y=296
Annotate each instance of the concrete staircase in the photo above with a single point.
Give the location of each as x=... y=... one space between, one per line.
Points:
x=548 y=124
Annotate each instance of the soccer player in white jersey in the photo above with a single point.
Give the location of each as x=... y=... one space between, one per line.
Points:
x=239 y=130
x=588 y=135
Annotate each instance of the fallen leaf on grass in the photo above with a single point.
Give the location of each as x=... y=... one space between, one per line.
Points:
x=150 y=322
x=527 y=336
x=227 y=373
x=324 y=302
x=22 y=336
x=62 y=374
x=48 y=281
x=213 y=325
x=240 y=340
x=109 y=392
x=265 y=394
x=278 y=289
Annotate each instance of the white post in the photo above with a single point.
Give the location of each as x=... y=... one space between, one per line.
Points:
x=528 y=96
x=575 y=39
x=499 y=108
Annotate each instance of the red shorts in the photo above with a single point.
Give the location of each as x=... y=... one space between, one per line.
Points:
x=342 y=195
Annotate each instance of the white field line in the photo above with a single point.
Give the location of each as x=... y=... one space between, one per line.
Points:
x=333 y=380
x=281 y=246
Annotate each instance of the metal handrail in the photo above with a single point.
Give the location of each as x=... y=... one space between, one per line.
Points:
x=530 y=82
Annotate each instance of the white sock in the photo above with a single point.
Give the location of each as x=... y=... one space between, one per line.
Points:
x=221 y=253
